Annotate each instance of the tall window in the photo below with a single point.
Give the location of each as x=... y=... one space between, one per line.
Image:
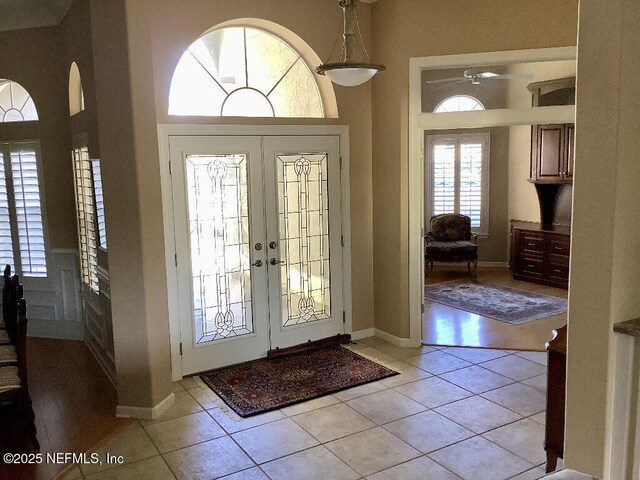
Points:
x=22 y=242
x=16 y=105
x=458 y=177
x=76 y=94
x=243 y=71
x=87 y=216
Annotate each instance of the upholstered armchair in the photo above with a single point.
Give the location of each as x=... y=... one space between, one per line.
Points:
x=450 y=240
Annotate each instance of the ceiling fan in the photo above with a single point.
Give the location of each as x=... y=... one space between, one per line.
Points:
x=477 y=75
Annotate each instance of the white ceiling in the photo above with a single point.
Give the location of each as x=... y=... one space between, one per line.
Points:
x=19 y=14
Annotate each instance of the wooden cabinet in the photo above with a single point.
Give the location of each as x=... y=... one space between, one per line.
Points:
x=552 y=153
x=540 y=254
x=552 y=145
x=556 y=385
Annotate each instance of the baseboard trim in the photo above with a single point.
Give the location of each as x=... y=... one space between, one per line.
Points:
x=400 y=342
x=146 y=413
x=494 y=264
x=60 y=330
x=360 y=334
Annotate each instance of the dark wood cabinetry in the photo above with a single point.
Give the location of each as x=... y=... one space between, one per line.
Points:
x=556 y=385
x=552 y=145
x=552 y=153
x=540 y=253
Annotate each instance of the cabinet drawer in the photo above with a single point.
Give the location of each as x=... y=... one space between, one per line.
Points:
x=532 y=241
x=559 y=246
x=532 y=266
x=558 y=272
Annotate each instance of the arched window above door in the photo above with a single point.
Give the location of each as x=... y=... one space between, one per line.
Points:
x=244 y=71
x=16 y=105
x=459 y=103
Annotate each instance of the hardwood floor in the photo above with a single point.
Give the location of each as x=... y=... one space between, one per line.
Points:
x=73 y=401
x=443 y=325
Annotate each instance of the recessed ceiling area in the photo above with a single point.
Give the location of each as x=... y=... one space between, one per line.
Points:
x=20 y=14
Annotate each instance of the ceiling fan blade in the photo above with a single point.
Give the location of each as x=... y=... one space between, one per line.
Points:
x=452 y=83
x=515 y=76
x=443 y=80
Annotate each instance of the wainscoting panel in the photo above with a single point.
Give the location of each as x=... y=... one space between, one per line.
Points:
x=98 y=333
x=54 y=303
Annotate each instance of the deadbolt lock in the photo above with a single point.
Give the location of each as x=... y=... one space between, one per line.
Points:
x=258 y=246
x=273 y=245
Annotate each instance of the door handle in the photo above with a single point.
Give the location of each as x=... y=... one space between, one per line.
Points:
x=274 y=261
x=257 y=263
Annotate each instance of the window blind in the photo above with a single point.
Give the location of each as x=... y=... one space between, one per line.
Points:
x=28 y=211
x=97 y=187
x=85 y=210
x=444 y=178
x=459 y=177
x=6 y=239
x=471 y=181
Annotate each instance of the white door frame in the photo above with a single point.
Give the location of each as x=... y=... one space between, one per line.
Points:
x=167 y=130
x=419 y=122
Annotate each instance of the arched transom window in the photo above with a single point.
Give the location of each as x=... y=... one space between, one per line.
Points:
x=76 y=94
x=16 y=105
x=459 y=103
x=243 y=71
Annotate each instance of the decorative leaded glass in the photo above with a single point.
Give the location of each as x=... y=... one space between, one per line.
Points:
x=303 y=225
x=244 y=72
x=218 y=217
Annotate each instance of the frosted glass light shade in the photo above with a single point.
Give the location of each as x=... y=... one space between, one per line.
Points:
x=349 y=74
x=350 y=77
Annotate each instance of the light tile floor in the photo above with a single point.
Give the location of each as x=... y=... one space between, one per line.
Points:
x=452 y=413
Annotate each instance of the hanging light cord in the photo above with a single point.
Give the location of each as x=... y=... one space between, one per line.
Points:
x=360 y=34
x=336 y=43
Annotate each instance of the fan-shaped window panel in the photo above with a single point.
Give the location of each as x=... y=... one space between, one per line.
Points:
x=245 y=72
x=16 y=105
x=459 y=103
x=76 y=94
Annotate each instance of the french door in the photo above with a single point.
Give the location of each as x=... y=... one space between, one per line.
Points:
x=258 y=244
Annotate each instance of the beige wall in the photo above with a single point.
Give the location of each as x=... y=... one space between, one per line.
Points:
x=128 y=144
x=35 y=59
x=605 y=274
x=415 y=28
x=492 y=248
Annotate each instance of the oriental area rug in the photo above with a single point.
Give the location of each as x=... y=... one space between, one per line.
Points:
x=266 y=384
x=510 y=305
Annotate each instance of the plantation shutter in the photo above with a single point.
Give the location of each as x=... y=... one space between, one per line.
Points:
x=97 y=188
x=444 y=178
x=471 y=181
x=28 y=211
x=86 y=217
x=458 y=165
x=6 y=244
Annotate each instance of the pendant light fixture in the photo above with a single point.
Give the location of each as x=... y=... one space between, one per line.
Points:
x=353 y=68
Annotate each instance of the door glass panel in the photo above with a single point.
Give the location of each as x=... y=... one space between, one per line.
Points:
x=303 y=230
x=218 y=216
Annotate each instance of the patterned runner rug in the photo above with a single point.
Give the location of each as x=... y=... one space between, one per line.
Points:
x=506 y=304
x=270 y=383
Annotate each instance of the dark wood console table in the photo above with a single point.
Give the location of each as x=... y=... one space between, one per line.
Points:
x=556 y=386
